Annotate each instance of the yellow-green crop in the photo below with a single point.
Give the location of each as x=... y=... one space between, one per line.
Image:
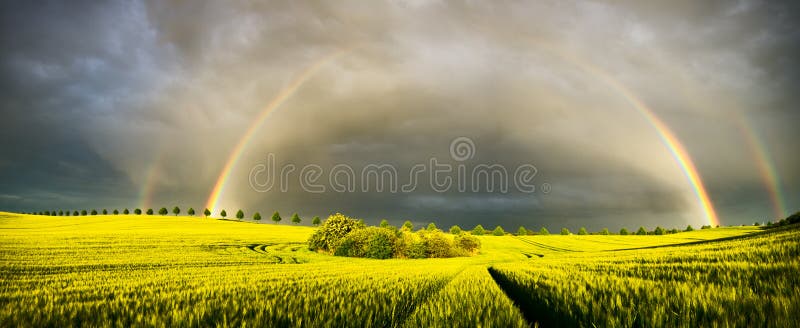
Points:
x=133 y=270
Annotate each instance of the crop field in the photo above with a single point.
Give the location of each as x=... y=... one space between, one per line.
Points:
x=138 y=270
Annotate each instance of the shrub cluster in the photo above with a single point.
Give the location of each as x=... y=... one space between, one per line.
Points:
x=344 y=236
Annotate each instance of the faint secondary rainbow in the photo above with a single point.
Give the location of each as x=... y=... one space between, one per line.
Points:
x=275 y=103
x=146 y=191
x=759 y=151
x=765 y=167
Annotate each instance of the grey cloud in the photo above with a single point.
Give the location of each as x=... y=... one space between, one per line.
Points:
x=131 y=86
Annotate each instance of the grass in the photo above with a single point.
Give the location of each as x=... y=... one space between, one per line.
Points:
x=123 y=270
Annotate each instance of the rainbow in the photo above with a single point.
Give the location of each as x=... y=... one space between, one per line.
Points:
x=758 y=150
x=676 y=148
x=146 y=191
x=765 y=167
x=274 y=104
x=668 y=138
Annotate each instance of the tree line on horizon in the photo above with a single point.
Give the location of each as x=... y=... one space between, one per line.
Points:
x=478 y=230
x=276 y=217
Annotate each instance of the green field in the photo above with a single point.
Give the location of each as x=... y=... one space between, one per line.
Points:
x=128 y=270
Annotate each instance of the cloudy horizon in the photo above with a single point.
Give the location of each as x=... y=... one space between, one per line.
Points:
x=130 y=104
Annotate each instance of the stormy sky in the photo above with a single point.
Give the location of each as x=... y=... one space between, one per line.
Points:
x=128 y=104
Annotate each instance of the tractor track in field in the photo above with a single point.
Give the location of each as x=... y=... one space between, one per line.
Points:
x=536 y=312
x=540 y=245
x=399 y=319
x=262 y=249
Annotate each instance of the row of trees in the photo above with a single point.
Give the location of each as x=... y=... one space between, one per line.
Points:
x=276 y=217
x=522 y=231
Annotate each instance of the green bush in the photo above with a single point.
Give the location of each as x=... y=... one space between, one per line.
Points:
x=335 y=228
x=498 y=231
x=437 y=244
x=468 y=243
x=408 y=226
x=347 y=248
x=455 y=230
x=564 y=231
x=582 y=231
x=417 y=250
x=381 y=245
x=371 y=242
x=478 y=230
x=623 y=232
x=794 y=218
x=544 y=231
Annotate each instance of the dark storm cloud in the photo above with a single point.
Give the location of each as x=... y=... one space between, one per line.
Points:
x=95 y=97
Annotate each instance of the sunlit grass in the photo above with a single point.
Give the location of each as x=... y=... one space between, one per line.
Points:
x=167 y=270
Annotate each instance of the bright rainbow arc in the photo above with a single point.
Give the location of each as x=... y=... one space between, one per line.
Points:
x=275 y=103
x=677 y=150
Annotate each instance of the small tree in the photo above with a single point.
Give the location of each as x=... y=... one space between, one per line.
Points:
x=582 y=231
x=105 y=212
x=137 y=211
x=316 y=221
x=125 y=211
x=190 y=211
x=94 y=212
x=116 y=212
x=455 y=230
x=498 y=231
x=83 y=212
x=176 y=210
x=276 y=217
x=659 y=231
x=149 y=211
x=206 y=212
x=478 y=230
x=240 y=215
x=623 y=232
x=384 y=223
x=689 y=228
x=522 y=231
x=257 y=216
x=564 y=231
x=295 y=218
x=431 y=227
x=223 y=214
x=544 y=231
x=75 y=213
x=641 y=232
x=605 y=232
x=163 y=211
x=408 y=225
